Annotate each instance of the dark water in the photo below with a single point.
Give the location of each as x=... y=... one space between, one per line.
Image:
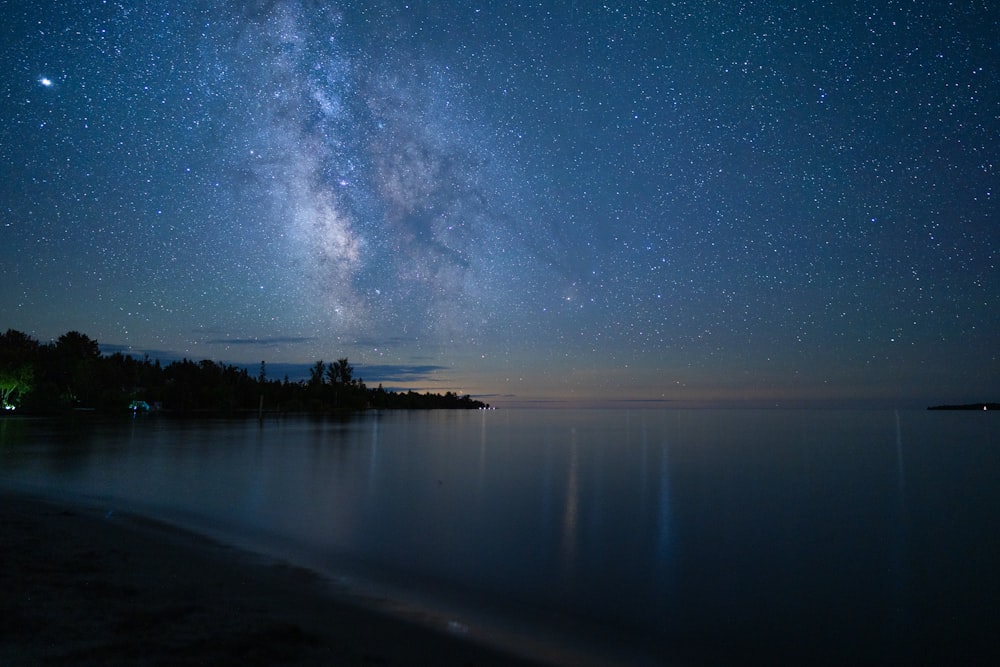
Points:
x=642 y=537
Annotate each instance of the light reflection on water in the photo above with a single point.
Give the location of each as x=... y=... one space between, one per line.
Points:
x=695 y=535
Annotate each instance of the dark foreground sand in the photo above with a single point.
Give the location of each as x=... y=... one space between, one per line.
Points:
x=81 y=588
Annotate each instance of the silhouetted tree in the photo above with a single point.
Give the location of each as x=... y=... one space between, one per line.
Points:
x=71 y=372
x=75 y=345
x=346 y=371
x=74 y=369
x=18 y=356
x=316 y=374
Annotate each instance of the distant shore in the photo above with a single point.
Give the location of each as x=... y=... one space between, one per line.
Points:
x=84 y=588
x=967 y=406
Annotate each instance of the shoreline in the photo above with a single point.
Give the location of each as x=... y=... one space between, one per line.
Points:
x=81 y=587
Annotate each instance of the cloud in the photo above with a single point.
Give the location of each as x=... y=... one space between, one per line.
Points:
x=164 y=356
x=266 y=341
x=398 y=372
x=280 y=371
x=372 y=374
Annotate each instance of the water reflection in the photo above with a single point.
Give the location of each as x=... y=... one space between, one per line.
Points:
x=373 y=459
x=664 y=530
x=481 y=469
x=898 y=564
x=571 y=510
x=794 y=528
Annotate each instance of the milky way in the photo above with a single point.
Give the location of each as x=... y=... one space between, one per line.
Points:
x=737 y=202
x=383 y=185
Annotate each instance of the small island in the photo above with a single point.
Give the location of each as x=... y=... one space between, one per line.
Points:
x=71 y=374
x=967 y=406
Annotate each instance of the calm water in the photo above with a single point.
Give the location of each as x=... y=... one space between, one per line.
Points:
x=644 y=537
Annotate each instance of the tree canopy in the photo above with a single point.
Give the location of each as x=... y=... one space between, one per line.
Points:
x=71 y=373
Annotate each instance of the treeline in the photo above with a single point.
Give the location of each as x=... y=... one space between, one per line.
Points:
x=71 y=373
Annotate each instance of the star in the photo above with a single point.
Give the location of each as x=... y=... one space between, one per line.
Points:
x=704 y=219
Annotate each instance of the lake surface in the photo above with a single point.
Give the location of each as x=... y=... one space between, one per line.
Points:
x=608 y=536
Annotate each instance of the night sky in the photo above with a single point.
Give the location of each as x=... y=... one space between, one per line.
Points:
x=724 y=203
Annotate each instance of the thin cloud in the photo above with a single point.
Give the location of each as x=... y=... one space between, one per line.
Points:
x=399 y=372
x=267 y=341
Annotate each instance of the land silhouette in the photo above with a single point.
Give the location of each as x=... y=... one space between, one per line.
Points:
x=71 y=373
x=967 y=406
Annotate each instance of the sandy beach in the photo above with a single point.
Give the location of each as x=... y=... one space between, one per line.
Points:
x=84 y=588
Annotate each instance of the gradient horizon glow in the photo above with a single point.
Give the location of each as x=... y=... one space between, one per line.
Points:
x=734 y=203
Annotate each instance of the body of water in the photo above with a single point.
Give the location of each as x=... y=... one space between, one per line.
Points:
x=637 y=537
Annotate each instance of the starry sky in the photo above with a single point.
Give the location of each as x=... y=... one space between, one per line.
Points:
x=747 y=203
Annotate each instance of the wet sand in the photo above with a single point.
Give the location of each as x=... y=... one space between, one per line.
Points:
x=83 y=588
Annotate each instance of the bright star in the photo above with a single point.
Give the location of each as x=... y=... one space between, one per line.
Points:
x=45 y=81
